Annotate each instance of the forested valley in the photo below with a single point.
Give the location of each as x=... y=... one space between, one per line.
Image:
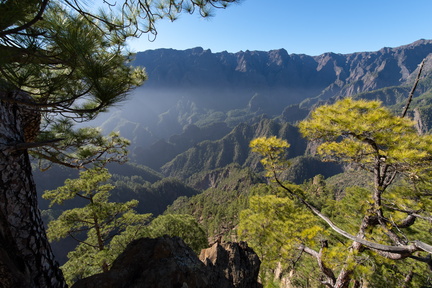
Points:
x=190 y=155
x=188 y=168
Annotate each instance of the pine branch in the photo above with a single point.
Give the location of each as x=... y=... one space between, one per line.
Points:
x=388 y=251
x=23 y=55
x=30 y=23
x=25 y=145
x=331 y=279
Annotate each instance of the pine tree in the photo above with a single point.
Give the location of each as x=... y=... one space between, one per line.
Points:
x=60 y=61
x=383 y=230
x=94 y=224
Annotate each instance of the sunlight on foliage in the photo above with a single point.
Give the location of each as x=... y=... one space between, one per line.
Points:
x=394 y=209
x=272 y=150
x=359 y=131
x=275 y=227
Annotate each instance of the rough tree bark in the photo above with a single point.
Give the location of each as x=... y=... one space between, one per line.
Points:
x=26 y=259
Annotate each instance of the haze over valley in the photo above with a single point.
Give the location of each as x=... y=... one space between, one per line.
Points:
x=191 y=123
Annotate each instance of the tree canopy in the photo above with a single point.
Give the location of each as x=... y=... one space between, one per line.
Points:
x=60 y=59
x=369 y=228
x=365 y=133
x=93 y=225
x=60 y=63
x=103 y=229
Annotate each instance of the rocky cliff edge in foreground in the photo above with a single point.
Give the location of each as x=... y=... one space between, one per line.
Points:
x=167 y=262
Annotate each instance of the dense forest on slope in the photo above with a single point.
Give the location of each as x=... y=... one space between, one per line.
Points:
x=191 y=124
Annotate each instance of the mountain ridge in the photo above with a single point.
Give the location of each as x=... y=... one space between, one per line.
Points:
x=276 y=67
x=196 y=86
x=192 y=121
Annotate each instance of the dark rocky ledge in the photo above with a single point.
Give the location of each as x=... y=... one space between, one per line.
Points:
x=168 y=262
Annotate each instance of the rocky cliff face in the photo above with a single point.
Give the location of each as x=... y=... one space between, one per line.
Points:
x=287 y=77
x=234 y=147
x=196 y=86
x=167 y=262
x=233 y=261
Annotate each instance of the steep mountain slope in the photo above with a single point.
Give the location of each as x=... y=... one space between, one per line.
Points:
x=163 y=151
x=193 y=120
x=196 y=86
x=282 y=76
x=233 y=148
x=199 y=110
x=366 y=71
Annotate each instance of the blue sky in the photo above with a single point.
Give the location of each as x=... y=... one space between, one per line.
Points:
x=308 y=27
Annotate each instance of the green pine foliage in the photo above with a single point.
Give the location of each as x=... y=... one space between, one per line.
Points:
x=218 y=208
x=103 y=228
x=180 y=225
x=93 y=225
x=274 y=227
x=287 y=226
x=60 y=61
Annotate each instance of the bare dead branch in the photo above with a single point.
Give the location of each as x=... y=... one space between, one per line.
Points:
x=331 y=279
x=403 y=250
x=410 y=96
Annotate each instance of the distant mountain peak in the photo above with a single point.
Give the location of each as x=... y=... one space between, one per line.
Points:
x=260 y=70
x=226 y=86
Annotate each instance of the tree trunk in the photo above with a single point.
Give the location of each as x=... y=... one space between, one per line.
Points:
x=26 y=259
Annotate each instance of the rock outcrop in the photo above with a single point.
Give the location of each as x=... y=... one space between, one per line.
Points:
x=167 y=262
x=233 y=261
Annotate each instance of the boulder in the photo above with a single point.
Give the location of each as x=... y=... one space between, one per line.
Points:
x=167 y=262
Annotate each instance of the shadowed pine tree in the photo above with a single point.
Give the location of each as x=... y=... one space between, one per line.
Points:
x=60 y=61
x=103 y=229
x=94 y=225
